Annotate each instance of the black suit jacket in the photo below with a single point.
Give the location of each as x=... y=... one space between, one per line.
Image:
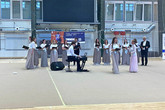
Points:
x=77 y=49
x=147 y=45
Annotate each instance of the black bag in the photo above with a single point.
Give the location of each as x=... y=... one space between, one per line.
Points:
x=55 y=66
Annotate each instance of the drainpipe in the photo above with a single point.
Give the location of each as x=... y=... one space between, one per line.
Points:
x=33 y=18
x=101 y=27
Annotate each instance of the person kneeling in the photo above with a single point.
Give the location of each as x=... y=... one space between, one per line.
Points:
x=72 y=56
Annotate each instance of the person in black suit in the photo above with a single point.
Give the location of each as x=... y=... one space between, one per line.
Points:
x=77 y=48
x=145 y=45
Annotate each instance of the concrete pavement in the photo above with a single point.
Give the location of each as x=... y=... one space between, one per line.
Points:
x=21 y=88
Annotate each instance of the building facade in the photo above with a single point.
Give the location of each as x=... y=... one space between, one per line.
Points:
x=137 y=18
x=15 y=26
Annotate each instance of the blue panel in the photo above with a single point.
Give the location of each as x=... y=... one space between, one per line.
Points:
x=41 y=36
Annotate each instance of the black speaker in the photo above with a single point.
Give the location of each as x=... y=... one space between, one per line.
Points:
x=56 y=66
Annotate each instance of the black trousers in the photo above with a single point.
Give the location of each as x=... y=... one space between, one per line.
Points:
x=77 y=53
x=144 y=54
x=76 y=59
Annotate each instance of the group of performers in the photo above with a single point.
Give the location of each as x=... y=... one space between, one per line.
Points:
x=33 y=57
x=130 y=53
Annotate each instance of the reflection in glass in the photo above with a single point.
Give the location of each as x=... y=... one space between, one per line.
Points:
x=139 y=12
x=16 y=9
x=26 y=9
x=129 y=12
x=119 y=12
x=39 y=9
x=147 y=12
x=110 y=11
x=5 y=9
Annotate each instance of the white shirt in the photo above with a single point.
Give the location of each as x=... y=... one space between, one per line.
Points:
x=96 y=47
x=144 y=43
x=70 y=51
x=126 y=45
x=65 y=45
x=32 y=45
x=133 y=50
x=53 y=45
x=115 y=46
x=106 y=46
x=42 y=46
x=138 y=47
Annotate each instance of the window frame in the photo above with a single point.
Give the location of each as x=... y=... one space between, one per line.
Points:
x=141 y=13
x=148 y=3
x=12 y=9
x=134 y=13
x=41 y=9
x=155 y=3
x=21 y=10
x=1 y=11
x=114 y=12
x=106 y=8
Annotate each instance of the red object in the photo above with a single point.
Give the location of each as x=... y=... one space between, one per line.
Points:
x=53 y=36
x=122 y=33
x=116 y=33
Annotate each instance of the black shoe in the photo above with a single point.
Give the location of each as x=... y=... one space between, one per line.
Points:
x=146 y=65
x=79 y=70
x=142 y=64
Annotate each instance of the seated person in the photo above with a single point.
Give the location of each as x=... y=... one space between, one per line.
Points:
x=72 y=56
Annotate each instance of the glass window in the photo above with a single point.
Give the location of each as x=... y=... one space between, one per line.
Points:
x=147 y=12
x=26 y=5
x=110 y=11
x=139 y=12
x=5 y=9
x=119 y=12
x=129 y=12
x=155 y=12
x=16 y=9
x=39 y=9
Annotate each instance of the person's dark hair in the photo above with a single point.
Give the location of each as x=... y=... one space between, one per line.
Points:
x=32 y=39
x=135 y=40
x=113 y=41
x=73 y=42
x=43 y=40
x=126 y=41
x=97 y=42
x=105 y=41
x=64 y=42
